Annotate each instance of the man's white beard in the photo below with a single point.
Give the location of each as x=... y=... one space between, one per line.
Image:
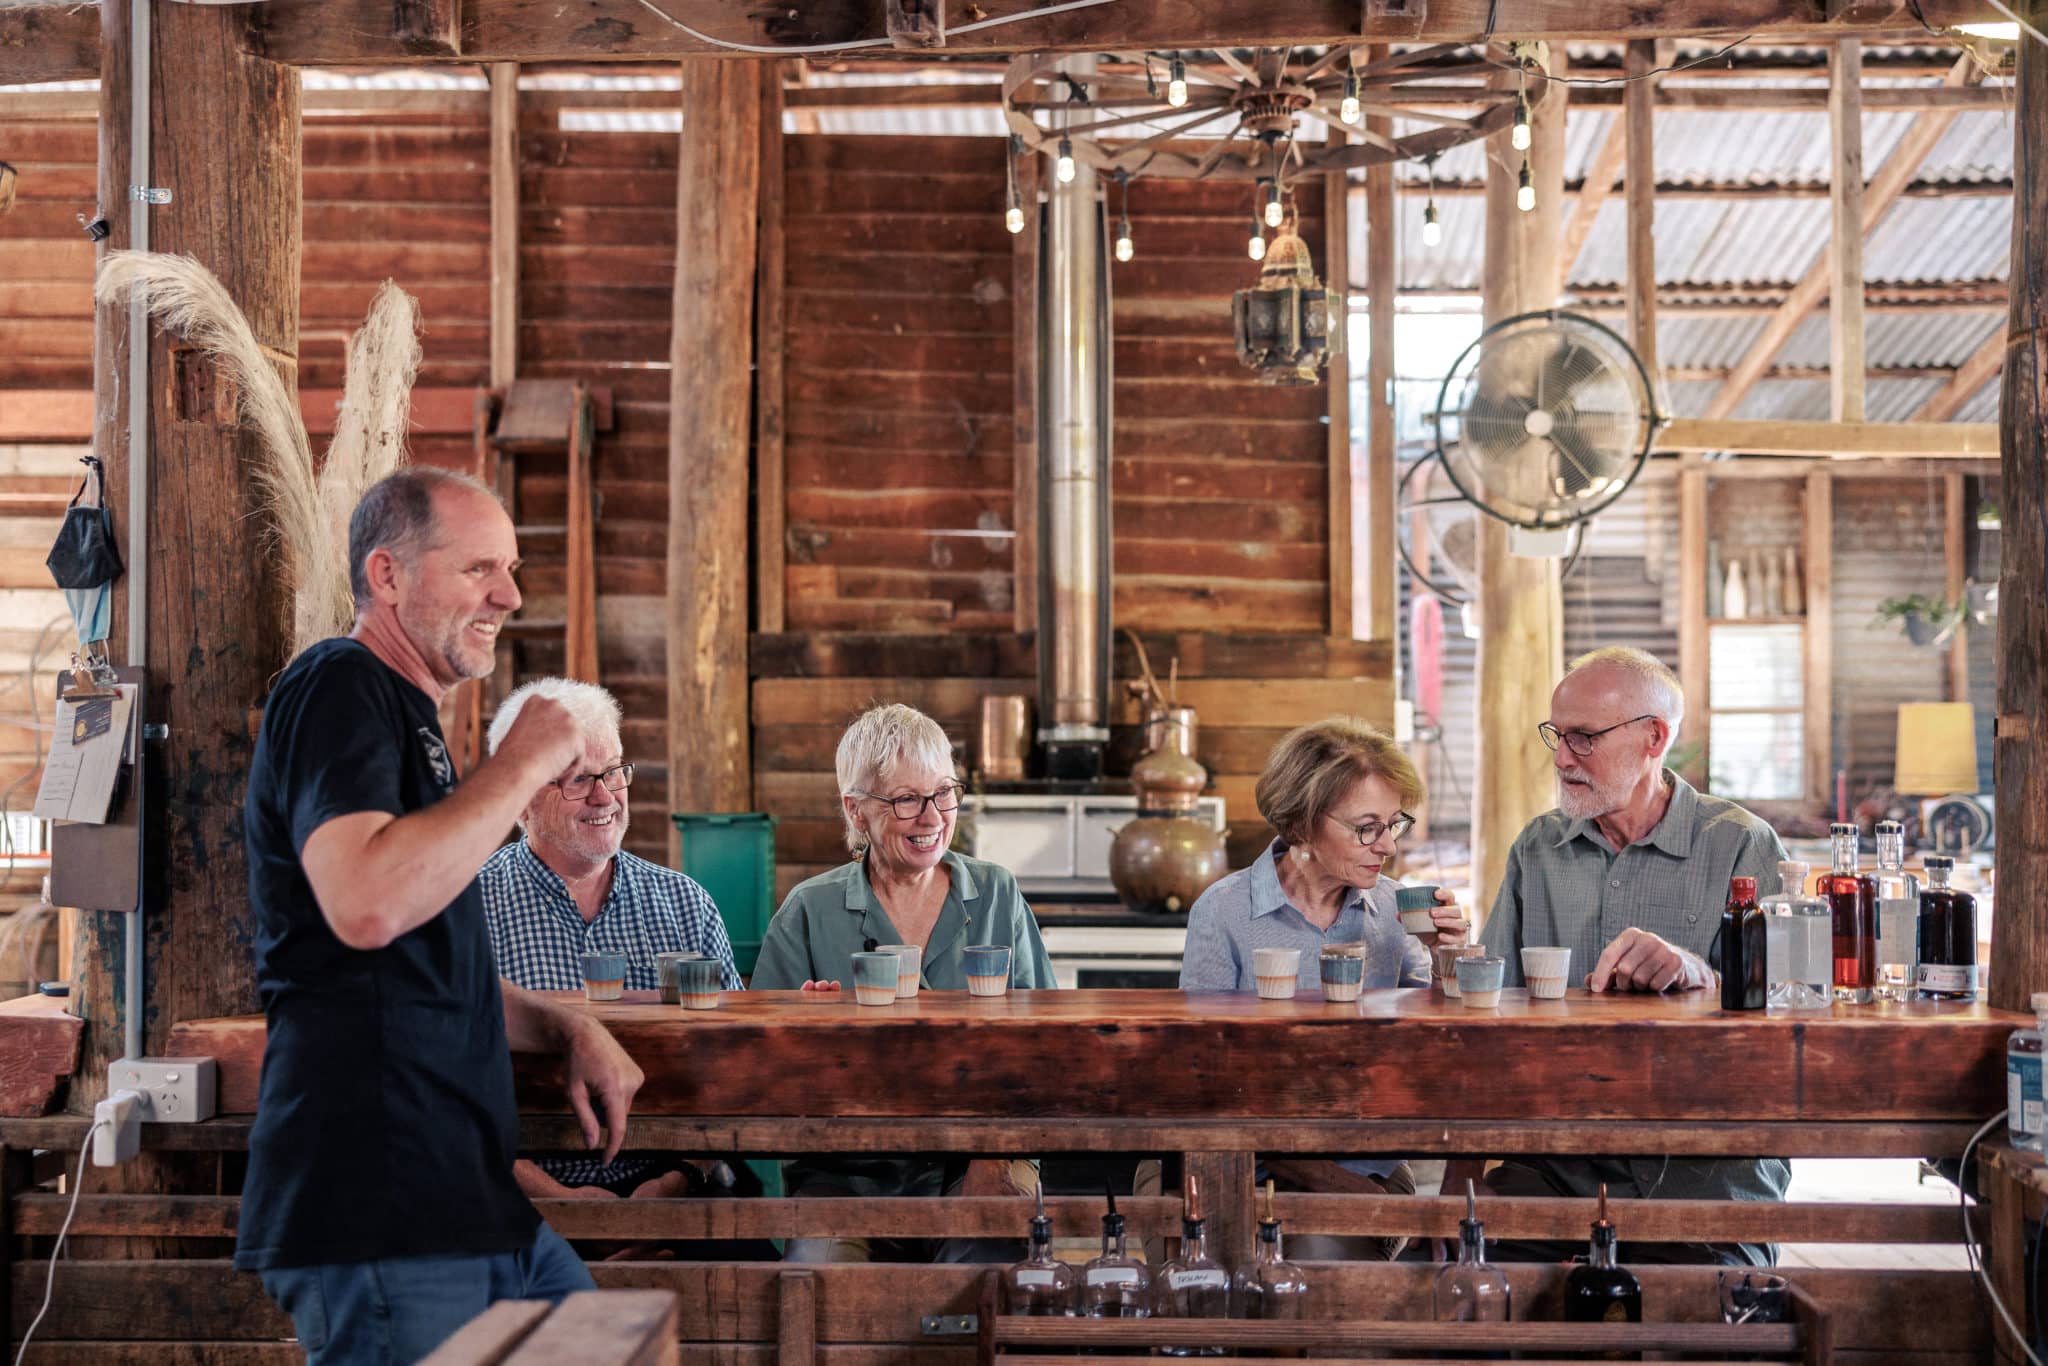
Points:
x=1587 y=801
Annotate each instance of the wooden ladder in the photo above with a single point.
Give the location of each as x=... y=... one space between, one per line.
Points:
x=540 y=417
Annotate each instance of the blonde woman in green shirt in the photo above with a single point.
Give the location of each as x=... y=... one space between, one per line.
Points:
x=904 y=885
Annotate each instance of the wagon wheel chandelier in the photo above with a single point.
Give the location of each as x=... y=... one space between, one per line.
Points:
x=1237 y=115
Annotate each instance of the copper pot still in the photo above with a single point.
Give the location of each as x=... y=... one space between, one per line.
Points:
x=1166 y=857
x=1005 y=737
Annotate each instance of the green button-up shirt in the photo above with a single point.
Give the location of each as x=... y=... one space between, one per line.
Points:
x=1567 y=887
x=827 y=919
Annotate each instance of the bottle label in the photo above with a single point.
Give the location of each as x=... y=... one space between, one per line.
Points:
x=1948 y=977
x=1197 y=1278
x=1112 y=1275
x=1617 y=1312
x=2023 y=1094
x=1032 y=1275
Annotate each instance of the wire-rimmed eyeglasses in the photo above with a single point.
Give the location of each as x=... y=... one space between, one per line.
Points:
x=617 y=778
x=910 y=805
x=1580 y=742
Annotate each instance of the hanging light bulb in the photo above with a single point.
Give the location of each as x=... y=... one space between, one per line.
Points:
x=1064 y=167
x=1177 y=83
x=1525 y=189
x=1014 y=218
x=1276 y=212
x=1432 y=230
x=1348 y=110
x=1125 y=248
x=1256 y=247
x=1520 y=137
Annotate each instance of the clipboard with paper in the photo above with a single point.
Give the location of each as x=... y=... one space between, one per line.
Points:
x=91 y=744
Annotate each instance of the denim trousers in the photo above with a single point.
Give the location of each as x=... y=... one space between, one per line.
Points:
x=395 y=1310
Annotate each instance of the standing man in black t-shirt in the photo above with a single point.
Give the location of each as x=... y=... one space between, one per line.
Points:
x=379 y=1206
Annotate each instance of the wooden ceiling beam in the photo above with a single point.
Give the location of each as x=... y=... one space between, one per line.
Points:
x=1601 y=175
x=328 y=32
x=1707 y=98
x=1983 y=366
x=1884 y=188
x=1832 y=440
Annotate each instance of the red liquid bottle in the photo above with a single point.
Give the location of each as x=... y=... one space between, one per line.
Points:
x=1852 y=900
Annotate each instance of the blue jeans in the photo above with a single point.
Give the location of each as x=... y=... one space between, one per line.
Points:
x=395 y=1310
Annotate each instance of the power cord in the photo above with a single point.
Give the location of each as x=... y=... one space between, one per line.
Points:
x=50 y=1280
x=1970 y=1243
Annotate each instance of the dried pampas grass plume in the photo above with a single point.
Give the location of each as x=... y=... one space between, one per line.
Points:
x=309 y=531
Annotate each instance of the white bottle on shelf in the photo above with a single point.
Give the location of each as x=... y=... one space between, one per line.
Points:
x=1795 y=595
x=1735 y=596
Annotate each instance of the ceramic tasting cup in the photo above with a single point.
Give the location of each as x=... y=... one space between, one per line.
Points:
x=1343 y=974
x=988 y=969
x=702 y=981
x=1415 y=905
x=1546 y=970
x=1479 y=980
x=604 y=976
x=874 y=978
x=1447 y=956
x=1276 y=971
x=909 y=961
x=671 y=984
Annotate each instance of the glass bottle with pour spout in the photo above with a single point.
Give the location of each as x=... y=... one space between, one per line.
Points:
x=1192 y=1285
x=1041 y=1286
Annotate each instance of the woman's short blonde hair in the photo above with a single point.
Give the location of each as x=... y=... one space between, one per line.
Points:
x=1313 y=767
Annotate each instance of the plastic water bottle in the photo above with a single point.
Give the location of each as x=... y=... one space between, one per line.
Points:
x=2023 y=1099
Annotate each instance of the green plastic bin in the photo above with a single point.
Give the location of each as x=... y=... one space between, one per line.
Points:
x=732 y=855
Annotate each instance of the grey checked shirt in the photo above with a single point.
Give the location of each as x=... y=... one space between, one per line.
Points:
x=1567 y=887
x=1248 y=910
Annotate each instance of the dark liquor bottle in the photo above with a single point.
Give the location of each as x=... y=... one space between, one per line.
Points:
x=1948 y=936
x=1192 y=1285
x=1852 y=901
x=1601 y=1291
x=1743 y=949
x=1041 y=1285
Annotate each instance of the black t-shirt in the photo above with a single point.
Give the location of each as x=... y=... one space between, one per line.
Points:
x=386 y=1125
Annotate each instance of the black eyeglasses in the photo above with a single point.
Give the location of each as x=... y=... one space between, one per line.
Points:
x=1372 y=831
x=910 y=805
x=617 y=778
x=1580 y=742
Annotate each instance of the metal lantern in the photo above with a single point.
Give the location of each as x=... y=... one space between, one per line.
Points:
x=1282 y=324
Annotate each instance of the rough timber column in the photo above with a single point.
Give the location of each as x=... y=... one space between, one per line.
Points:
x=2022 y=744
x=1521 y=629
x=224 y=129
x=710 y=425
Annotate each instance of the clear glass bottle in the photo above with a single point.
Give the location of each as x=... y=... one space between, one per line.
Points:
x=1600 y=1290
x=1742 y=949
x=1471 y=1290
x=2023 y=1103
x=1191 y=1285
x=1798 y=943
x=1040 y=1286
x=1115 y=1285
x=1271 y=1287
x=1898 y=916
x=1947 y=956
x=1852 y=903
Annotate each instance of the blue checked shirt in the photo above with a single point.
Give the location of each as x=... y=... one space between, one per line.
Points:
x=539 y=939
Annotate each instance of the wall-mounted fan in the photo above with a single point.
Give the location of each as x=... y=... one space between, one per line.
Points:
x=1545 y=419
x=1446 y=534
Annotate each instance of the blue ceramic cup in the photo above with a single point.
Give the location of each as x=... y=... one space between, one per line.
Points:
x=874 y=978
x=665 y=968
x=988 y=969
x=701 y=982
x=1479 y=980
x=1343 y=975
x=604 y=976
x=1416 y=906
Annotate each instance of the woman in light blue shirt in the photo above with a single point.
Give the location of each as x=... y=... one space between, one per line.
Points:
x=1338 y=793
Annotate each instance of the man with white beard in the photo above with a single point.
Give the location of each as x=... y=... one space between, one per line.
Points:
x=1630 y=872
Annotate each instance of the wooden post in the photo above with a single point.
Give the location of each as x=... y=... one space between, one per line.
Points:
x=504 y=223
x=1382 y=290
x=1024 y=401
x=1818 y=674
x=2021 y=761
x=1693 y=632
x=224 y=129
x=1955 y=546
x=1521 y=614
x=1337 y=389
x=1845 y=245
x=1639 y=190
x=770 y=374
x=1227 y=1202
x=710 y=410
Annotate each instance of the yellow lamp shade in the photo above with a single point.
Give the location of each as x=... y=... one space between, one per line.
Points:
x=1937 y=752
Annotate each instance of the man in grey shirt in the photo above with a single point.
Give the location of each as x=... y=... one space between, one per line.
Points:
x=1630 y=872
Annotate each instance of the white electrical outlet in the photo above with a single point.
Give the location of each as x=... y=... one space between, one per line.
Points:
x=173 y=1090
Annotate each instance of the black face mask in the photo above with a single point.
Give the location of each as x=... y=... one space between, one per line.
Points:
x=84 y=560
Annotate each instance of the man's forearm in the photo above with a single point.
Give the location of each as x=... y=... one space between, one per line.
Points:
x=535 y=1024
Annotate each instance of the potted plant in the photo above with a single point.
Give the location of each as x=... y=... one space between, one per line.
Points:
x=1926 y=621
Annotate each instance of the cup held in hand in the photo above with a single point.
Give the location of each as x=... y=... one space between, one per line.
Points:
x=1415 y=906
